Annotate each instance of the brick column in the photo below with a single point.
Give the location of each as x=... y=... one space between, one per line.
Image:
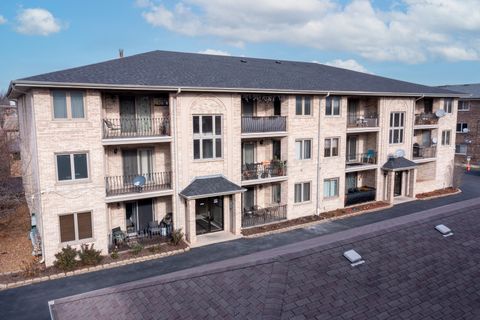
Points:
x=190 y=230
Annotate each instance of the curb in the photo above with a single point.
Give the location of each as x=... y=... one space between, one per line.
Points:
x=114 y=264
x=440 y=195
x=308 y=224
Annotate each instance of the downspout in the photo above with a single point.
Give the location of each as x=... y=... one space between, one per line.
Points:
x=175 y=151
x=318 y=156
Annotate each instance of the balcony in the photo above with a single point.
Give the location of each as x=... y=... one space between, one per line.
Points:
x=259 y=216
x=424 y=152
x=267 y=170
x=131 y=184
x=135 y=129
x=264 y=125
x=426 y=119
x=359 y=160
x=362 y=121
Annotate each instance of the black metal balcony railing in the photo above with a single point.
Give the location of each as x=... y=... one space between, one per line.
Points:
x=370 y=157
x=264 y=170
x=422 y=152
x=258 y=216
x=119 y=185
x=426 y=119
x=356 y=120
x=360 y=195
x=263 y=124
x=135 y=127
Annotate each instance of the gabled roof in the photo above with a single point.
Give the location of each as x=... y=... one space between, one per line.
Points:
x=398 y=163
x=209 y=186
x=189 y=71
x=472 y=90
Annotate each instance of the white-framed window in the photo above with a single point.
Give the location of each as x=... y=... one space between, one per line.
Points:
x=332 y=106
x=462 y=127
x=447 y=105
x=75 y=226
x=276 y=193
x=446 y=137
x=461 y=148
x=397 y=127
x=303 y=149
x=302 y=192
x=463 y=105
x=68 y=104
x=330 y=188
x=331 y=147
x=207 y=137
x=303 y=105
x=72 y=166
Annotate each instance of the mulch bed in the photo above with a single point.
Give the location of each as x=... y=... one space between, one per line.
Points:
x=435 y=193
x=49 y=271
x=313 y=218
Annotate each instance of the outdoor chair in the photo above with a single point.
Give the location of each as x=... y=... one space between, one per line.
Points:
x=153 y=228
x=118 y=236
x=370 y=156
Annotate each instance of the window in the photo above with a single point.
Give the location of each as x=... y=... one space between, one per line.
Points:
x=446 y=137
x=461 y=149
x=303 y=149
x=462 y=127
x=397 y=123
x=331 y=147
x=72 y=166
x=276 y=193
x=330 y=188
x=303 y=106
x=332 y=106
x=447 y=105
x=68 y=104
x=207 y=137
x=302 y=192
x=463 y=105
x=76 y=226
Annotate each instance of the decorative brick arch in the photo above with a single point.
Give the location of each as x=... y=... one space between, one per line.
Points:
x=207 y=104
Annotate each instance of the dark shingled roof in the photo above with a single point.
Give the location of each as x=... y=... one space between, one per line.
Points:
x=473 y=89
x=208 y=186
x=190 y=70
x=398 y=163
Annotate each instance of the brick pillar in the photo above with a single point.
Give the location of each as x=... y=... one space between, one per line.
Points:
x=390 y=186
x=190 y=230
x=237 y=214
x=413 y=179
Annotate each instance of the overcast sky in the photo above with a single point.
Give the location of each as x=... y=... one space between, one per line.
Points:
x=425 y=41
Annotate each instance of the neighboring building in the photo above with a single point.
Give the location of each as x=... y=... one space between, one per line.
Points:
x=220 y=143
x=468 y=123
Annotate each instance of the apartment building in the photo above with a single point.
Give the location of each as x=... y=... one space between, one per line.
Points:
x=217 y=144
x=467 y=147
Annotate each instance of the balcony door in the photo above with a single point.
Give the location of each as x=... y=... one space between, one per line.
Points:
x=248 y=153
x=143 y=114
x=248 y=199
x=248 y=107
x=428 y=105
x=351 y=148
x=352 y=109
x=137 y=162
x=135 y=114
x=276 y=150
x=127 y=114
x=138 y=214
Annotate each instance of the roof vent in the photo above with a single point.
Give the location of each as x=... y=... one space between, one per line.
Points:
x=444 y=230
x=354 y=258
x=243 y=61
x=278 y=62
x=120 y=53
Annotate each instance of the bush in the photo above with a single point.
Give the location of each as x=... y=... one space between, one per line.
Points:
x=114 y=255
x=66 y=259
x=30 y=268
x=137 y=248
x=89 y=256
x=177 y=237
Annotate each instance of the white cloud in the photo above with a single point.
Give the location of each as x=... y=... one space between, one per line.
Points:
x=2 y=19
x=215 y=52
x=37 y=21
x=350 y=64
x=411 y=31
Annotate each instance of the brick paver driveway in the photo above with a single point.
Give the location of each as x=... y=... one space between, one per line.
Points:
x=30 y=302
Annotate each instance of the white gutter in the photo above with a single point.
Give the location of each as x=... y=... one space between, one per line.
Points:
x=175 y=151
x=317 y=210
x=26 y=83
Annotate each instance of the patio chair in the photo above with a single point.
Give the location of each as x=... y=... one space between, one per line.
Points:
x=153 y=228
x=118 y=236
x=109 y=124
x=370 y=156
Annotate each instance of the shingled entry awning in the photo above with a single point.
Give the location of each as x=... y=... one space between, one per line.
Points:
x=399 y=163
x=210 y=186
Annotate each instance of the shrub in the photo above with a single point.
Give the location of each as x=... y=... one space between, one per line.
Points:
x=89 y=256
x=177 y=237
x=30 y=268
x=137 y=248
x=66 y=259
x=114 y=255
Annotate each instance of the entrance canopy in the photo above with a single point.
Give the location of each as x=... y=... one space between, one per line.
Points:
x=398 y=164
x=210 y=186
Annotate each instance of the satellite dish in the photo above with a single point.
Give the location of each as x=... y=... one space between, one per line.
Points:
x=139 y=181
x=440 y=113
x=434 y=140
x=399 y=153
x=465 y=130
